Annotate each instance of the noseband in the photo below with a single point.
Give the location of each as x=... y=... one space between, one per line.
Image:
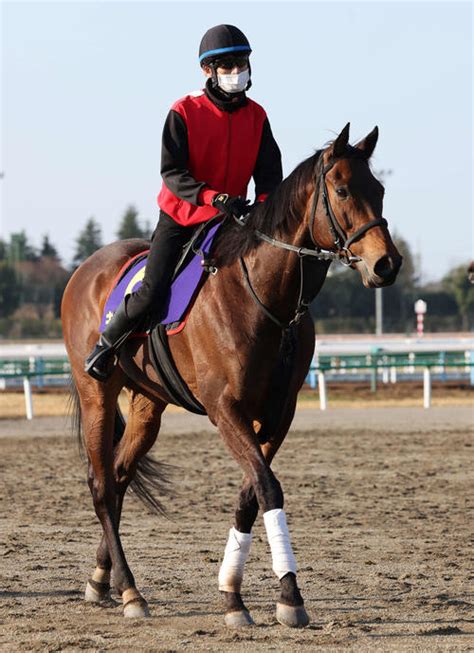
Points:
x=341 y=241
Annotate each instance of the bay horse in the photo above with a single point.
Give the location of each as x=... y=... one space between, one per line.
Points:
x=244 y=353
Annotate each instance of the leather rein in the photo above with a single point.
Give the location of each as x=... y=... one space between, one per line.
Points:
x=309 y=255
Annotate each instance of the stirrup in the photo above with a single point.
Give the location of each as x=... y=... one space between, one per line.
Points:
x=102 y=355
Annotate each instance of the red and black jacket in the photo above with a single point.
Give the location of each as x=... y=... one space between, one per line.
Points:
x=211 y=146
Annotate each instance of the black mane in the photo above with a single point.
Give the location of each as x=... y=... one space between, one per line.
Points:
x=276 y=214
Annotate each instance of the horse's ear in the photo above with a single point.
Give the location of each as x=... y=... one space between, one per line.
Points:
x=340 y=144
x=367 y=145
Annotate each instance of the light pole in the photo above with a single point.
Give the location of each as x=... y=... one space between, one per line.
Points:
x=378 y=312
x=2 y=175
x=382 y=175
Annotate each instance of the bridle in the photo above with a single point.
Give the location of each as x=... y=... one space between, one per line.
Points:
x=341 y=241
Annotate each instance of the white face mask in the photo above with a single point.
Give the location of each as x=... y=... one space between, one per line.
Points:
x=235 y=82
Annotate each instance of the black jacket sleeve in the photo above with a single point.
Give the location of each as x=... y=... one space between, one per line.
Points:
x=268 y=171
x=174 y=160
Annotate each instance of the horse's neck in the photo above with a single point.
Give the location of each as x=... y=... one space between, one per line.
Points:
x=275 y=274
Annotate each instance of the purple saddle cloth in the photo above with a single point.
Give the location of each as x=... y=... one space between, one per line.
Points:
x=183 y=288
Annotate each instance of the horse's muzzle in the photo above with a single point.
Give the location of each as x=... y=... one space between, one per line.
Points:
x=387 y=268
x=384 y=272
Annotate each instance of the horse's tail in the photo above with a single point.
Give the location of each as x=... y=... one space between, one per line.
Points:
x=282 y=373
x=151 y=476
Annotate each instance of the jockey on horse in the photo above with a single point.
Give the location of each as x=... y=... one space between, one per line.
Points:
x=213 y=142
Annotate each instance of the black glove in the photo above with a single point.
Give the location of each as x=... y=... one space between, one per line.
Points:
x=235 y=206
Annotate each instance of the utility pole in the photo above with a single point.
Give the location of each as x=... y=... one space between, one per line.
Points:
x=378 y=312
x=2 y=175
x=382 y=175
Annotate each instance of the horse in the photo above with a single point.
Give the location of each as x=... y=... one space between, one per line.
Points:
x=244 y=353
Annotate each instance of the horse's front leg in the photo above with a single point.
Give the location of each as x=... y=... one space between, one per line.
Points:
x=261 y=488
x=290 y=609
x=236 y=553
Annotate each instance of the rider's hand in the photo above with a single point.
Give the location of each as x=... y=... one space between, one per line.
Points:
x=235 y=206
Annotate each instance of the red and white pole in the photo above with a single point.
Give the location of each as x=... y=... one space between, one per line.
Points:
x=420 y=318
x=420 y=310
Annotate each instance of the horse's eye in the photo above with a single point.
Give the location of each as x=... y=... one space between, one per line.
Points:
x=342 y=193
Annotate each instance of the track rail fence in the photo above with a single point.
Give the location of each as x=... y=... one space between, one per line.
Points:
x=375 y=368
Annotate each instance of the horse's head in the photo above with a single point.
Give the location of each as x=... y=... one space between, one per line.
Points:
x=347 y=213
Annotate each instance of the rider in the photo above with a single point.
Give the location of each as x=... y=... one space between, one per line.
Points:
x=214 y=141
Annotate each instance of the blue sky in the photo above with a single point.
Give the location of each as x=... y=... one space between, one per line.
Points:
x=86 y=87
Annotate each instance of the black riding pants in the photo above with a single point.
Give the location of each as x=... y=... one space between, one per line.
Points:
x=166 y=247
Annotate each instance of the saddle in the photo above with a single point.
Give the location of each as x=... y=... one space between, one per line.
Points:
x=191 y=272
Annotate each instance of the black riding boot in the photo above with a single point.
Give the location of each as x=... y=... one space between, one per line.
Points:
x=101 y=362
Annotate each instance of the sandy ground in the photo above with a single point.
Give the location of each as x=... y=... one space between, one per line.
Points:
x=377 y=502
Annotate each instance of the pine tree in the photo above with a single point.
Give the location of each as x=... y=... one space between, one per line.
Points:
x=10 y=289
x=129 y=227
x=20 y=249
x=48 y=249
x=88 y=241
x=147 y=230
x=457 y=283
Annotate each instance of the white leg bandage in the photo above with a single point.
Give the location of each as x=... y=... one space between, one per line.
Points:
x=283 y=558
x=235 y=556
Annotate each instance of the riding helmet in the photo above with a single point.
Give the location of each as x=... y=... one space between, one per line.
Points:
x=222 y=40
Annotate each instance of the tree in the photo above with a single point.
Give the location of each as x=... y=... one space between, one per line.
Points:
x=20 y=249
x=408 y=275
x=147 y=230
x=10 y=289
x=456 y=281
x=398 y=299
x=48 y=249
x=129 y=227
x=88 y=241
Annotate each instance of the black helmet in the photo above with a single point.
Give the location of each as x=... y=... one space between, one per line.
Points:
x=221 y=40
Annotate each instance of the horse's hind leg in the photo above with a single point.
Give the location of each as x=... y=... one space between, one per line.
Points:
x=98 y=585
x=98 y=404
x=140 y=433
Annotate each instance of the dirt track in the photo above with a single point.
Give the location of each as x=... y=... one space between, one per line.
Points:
x=377 y=503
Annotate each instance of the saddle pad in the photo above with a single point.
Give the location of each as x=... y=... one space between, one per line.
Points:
x=183 y=289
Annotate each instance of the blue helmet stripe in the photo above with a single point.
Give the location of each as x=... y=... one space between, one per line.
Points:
x=233 y=48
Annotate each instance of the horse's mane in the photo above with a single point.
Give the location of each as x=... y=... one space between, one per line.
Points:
x=276 y=214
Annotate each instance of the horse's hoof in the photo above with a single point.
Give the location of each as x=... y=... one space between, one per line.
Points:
x=97 y=593
x=134 y=605
x=238 y=619
x=136 y=609
x=291 y=616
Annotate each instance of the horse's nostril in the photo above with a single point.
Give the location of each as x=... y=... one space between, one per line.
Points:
x=384 y=267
